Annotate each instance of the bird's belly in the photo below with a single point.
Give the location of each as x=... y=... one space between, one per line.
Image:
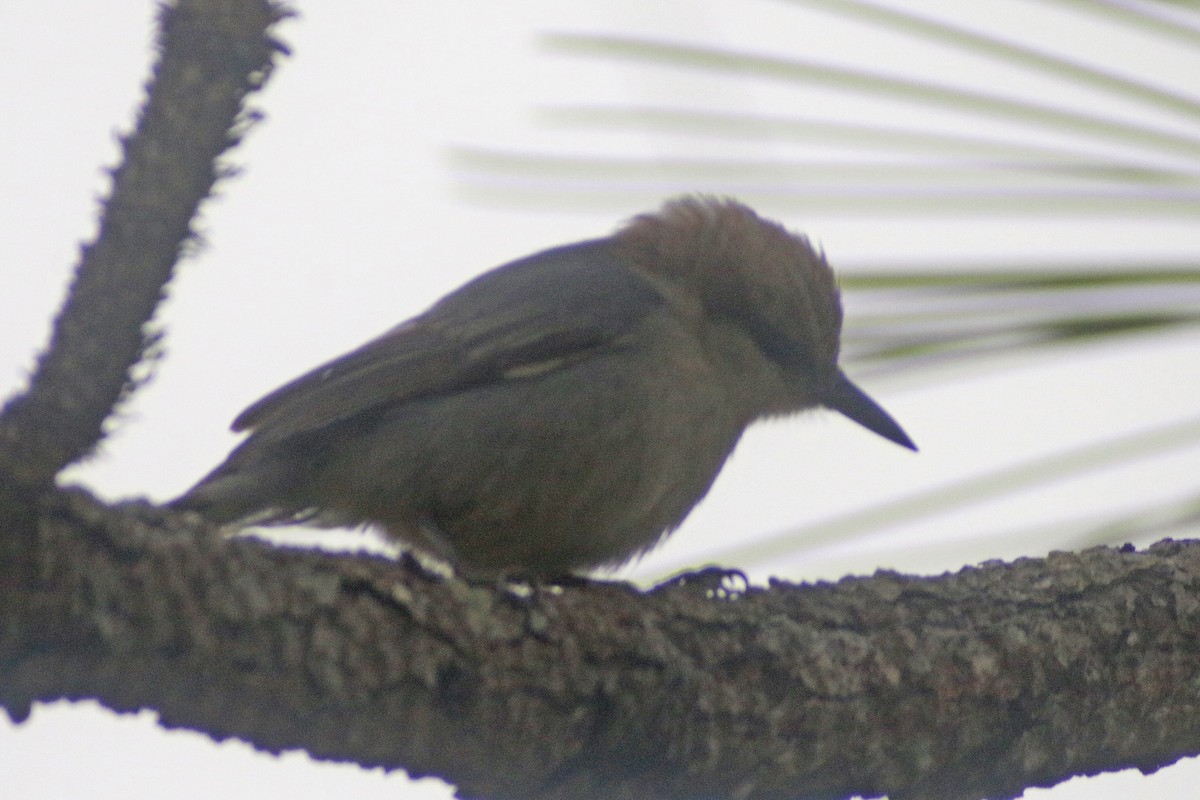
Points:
x=560 y=473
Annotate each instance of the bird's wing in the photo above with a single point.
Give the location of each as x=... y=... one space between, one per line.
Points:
x=524 y=318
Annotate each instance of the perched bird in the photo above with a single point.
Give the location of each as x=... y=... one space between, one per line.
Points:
x=562 y=412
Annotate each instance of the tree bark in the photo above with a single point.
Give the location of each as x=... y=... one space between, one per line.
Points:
x=977 y=684
x=213 y=53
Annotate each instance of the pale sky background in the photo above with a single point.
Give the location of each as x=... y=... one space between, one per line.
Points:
x=350 y=217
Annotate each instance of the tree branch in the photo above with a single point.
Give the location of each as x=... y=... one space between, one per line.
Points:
x=212 y=54
x=976 y=684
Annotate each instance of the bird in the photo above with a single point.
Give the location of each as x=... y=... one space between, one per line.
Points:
x=560 y=413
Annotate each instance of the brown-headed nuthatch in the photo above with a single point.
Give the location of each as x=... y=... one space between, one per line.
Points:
x=563 y=411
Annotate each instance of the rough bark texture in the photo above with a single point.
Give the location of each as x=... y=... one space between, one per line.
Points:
x=212 y=54
x=976 y=684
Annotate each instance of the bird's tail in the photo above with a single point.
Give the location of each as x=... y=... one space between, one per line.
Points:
x=227 y=496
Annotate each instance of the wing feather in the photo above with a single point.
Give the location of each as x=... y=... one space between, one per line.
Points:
x=524 y=318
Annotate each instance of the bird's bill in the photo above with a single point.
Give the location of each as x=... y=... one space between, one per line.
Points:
x=855 y=404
